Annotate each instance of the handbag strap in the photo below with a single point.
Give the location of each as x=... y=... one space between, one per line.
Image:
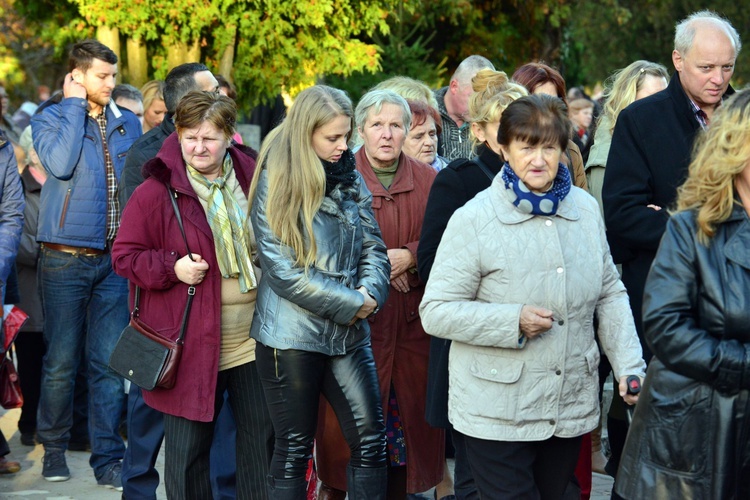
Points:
x=172 y=198
x=484 y=167
x=191 y=288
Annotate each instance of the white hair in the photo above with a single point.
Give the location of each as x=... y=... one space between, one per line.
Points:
x=684 y=32
x=374 y=100
x=470 y=67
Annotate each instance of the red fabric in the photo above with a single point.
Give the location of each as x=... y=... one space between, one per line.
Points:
x=583 y=468
x=12 y=324
x=148 y=244
x=400 y=344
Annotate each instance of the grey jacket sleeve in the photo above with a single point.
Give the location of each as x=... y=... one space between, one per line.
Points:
x=11 y=211
x=28 y=251
x=616 y=330
x=309 y=289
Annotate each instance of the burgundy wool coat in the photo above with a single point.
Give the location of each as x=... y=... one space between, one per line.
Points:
x=148 y=244
x=399 y=343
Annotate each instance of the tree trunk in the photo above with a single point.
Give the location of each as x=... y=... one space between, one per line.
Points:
x=180 y=53
x=137 y=61
x=111 y=38
x=194 y=52
x=176 y=54
x=227 y=57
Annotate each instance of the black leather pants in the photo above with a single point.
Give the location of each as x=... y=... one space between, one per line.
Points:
x=293 y=381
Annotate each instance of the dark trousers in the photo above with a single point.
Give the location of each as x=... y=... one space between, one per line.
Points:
x=4 y=447
x=293 y=381
x=145 y=435
x=532 y=470
x=463 y=481
x=29 y=353
x=188 y=442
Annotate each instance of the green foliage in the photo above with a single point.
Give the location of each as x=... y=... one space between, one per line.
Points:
x=290 y=44
x=613 y=33
x=286 y=45
x=404 y=51
x=280 y=44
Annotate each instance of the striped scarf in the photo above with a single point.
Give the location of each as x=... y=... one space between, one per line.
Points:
x=227 y=224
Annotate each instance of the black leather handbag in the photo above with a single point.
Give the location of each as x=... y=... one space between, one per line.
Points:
x=142 y=355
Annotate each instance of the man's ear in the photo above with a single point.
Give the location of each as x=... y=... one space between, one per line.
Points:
x=453 y=87
x=77 y=75
x=677 y=60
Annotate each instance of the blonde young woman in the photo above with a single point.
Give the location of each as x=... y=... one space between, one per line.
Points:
x=325 y=271
x=453 y=187
x=636 y=81
x=154 y=107
x=689 y=433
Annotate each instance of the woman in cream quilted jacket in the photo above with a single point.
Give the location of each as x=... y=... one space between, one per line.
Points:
x=518 y=276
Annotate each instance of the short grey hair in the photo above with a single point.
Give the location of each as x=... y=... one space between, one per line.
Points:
x=126 y=91
x=374 y=100
x=684 y=32
x=470 y=67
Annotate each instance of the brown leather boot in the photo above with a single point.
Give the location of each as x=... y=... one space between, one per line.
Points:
x=598 y=459
x=326 y=492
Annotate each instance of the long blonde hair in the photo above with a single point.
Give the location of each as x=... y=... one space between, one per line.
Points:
x=623 y=86
x=493 y=91
x=719 y=157
x=296 y=178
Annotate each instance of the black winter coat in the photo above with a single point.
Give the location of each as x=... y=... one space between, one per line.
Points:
x=143 y=149
x=648 y=160
x=453 y=187
x=690 y=434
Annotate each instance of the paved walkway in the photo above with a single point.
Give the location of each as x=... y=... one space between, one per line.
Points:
x=29 y=484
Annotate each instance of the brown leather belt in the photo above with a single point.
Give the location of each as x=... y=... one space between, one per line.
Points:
x=87 y=252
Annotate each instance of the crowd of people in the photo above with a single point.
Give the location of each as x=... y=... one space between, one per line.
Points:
x=425 y=275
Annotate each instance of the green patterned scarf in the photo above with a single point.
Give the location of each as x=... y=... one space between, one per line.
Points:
x=228 y=227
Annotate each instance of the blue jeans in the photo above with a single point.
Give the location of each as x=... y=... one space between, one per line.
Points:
x=85 y=308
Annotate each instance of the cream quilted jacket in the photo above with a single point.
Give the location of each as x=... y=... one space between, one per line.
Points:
x=492 y=260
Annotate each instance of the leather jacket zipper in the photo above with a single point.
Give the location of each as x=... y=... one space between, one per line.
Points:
x=65 y=208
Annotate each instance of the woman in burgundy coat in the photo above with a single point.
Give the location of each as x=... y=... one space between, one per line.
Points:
x=210 y=178
x=400 y=186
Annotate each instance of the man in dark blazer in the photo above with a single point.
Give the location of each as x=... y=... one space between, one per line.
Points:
x=650 y=155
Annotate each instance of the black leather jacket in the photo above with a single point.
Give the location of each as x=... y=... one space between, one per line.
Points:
x=689 y=437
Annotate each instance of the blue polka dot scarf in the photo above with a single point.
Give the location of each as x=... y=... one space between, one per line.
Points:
x=535 y=203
